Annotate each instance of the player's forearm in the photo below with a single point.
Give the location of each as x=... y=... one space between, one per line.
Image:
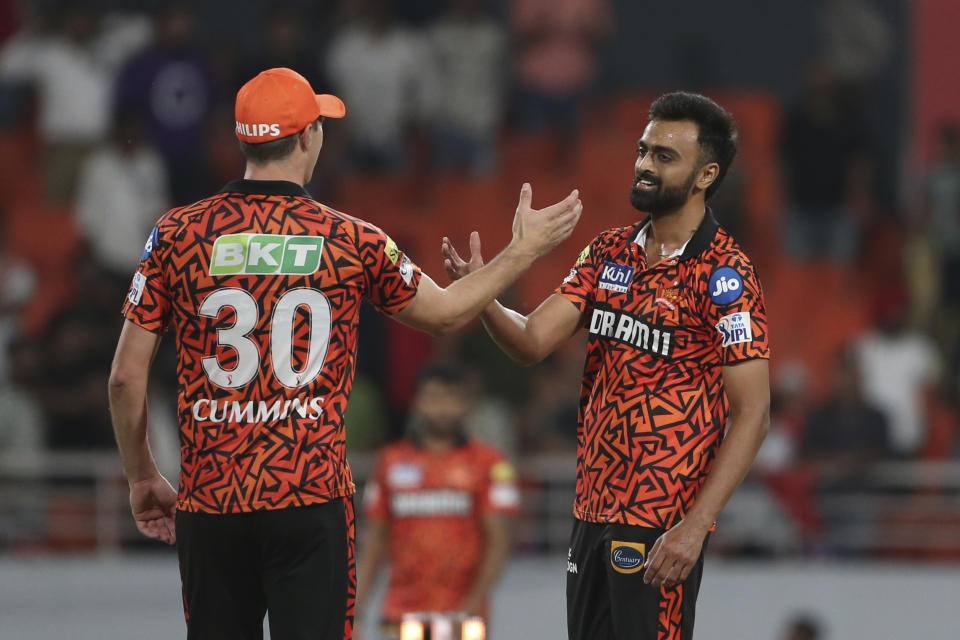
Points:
x=468 y=296
x=508 y=329
x=736 y=454
x=128 y=410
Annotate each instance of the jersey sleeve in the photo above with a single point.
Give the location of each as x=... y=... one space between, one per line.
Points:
x=734 y=308
x=579 y=286
x=390 y=277
x=498 y=491
x=148 y=302
x=375 y=500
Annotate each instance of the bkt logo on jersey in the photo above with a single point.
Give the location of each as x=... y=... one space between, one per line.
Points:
x=615 y=277
x=726 y=285
x=735 y=328
x=250 y=253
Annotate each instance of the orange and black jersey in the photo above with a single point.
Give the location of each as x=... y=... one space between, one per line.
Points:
x=433 y=504
x=263 y=286
x=652 y=404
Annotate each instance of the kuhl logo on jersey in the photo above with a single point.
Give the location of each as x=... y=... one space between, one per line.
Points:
x=265 y=254
x=627 y=557
x=615 y=277
x=735 y=328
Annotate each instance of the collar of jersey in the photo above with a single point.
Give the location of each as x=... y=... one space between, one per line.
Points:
x=265 y=188
x=697 y=243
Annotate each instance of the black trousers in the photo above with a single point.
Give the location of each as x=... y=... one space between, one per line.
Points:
x=606 y=596
x=296 y=563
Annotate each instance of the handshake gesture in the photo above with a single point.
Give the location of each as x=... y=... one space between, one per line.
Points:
x=536 y=232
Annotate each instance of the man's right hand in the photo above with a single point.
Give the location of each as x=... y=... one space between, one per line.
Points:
x=538 y=231
x=456 y=266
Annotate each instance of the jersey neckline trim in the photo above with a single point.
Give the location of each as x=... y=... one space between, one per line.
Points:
x=265 y=188
x=699 y=242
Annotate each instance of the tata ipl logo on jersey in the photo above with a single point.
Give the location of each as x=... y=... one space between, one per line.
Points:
x=726 y=286
x=262 y=254
x=615 y=277
x=735 y=328
x=627 y=557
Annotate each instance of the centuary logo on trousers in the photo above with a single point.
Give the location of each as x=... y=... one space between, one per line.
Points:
x=627 y=557
x=265 y=254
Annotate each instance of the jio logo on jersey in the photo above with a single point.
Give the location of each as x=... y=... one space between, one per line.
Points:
x=627 y=557
x=615 y=277
x=151 y=243
x=726 y=286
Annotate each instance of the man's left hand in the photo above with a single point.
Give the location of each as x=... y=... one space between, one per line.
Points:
x=674 y=554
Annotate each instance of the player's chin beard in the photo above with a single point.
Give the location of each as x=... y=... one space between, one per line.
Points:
x=663 y=199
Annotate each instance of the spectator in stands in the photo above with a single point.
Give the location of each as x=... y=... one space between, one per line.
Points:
x=857 y=40
x=285 y=44
x=21 y=421
x=556 y=60
x=548 y=420
x=121 y=193
x=845 y=434
x=170 y=85
x=73 y=67
x=826 y=172
x=74 y=363
x=942 y=213
x=469 y=51
x=898 y=369
x=382 y=72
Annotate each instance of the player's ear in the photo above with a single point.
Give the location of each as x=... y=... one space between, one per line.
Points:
x=707 y=175
x=303 y=138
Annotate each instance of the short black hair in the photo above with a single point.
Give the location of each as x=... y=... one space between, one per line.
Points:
x=264 y=152
x=444 y=372
x=717 y=129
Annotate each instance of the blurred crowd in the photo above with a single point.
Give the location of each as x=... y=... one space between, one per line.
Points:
x=119 y=116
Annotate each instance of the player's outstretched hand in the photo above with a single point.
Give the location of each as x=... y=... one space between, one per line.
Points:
x=154 y=502
x=540 y=230
x=673 y=555
x=456 y=266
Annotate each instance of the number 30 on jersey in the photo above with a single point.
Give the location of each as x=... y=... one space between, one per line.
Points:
x=281 y=336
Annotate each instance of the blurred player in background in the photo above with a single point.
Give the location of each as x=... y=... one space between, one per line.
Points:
x=677 y=349
x=263 y=285
x=436 y=505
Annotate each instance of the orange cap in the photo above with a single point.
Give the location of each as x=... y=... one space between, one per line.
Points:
x=278 y=103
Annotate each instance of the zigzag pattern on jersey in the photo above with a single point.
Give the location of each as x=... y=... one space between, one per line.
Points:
x=240 y=465
x=649 y=424
x=351 y=569
x=670 y=618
